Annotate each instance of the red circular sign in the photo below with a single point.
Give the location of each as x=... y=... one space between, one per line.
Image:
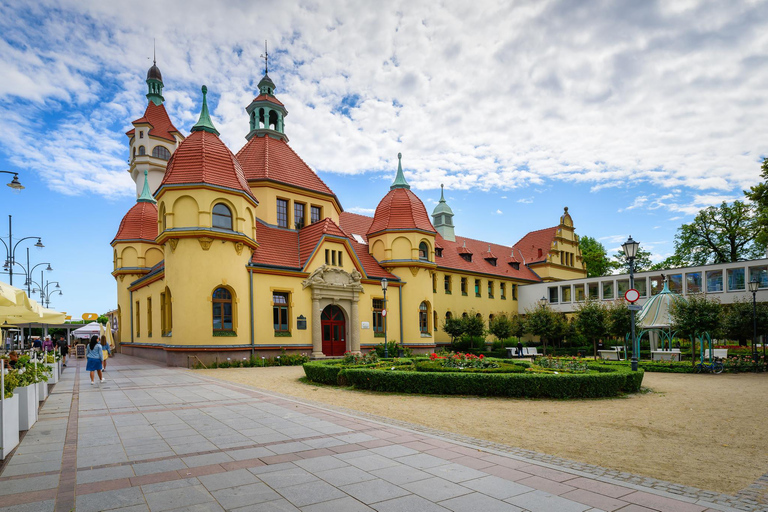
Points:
x=632 y=295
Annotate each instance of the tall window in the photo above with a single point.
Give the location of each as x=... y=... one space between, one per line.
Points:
x=463 y=285
x=423 y=251
x=222 y=216
x=149 y=317
x=161 y=153
x=298 y=215
x=282 y=213
x=166 y=316
x=315 y=212
x=280 y=305
x=477 y=288
x=141 y=134
x=142 y=151
x=490 y=289
x=138 y=319
x=434 y=281
x=503 y=290
x=424 y=318
x=447 y=284
x=378 y=318
x=222 y=310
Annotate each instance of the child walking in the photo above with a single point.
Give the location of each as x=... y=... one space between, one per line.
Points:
x=94 y=356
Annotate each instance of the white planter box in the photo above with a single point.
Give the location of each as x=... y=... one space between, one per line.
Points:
x=9 y=425
x=42 y=391
x=54 y=378
x=28 y=405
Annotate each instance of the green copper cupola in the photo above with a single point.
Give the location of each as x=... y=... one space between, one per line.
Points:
x=155 y=84
x=204 y=124
x=400 y=177
x=266 y=114
x=442 y=218
x=146 y=196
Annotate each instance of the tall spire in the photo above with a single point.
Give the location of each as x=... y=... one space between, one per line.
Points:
x=400 y=178
x=146 y=196
x=204 y=123
x=266 y=58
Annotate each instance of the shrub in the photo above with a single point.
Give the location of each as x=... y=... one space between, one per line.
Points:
x=325 y=372
x=437 y=366
x=393 y=349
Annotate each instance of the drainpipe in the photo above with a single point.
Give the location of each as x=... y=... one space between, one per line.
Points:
x=253 y=339
x=400 y=290
x=130 y=299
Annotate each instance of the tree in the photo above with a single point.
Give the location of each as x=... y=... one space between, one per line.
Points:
x=595 y=257
x=759 y=197
x=501 y=327
x=590 y=321
x=453 y=327
x=642 y=261
x=738 y=321
x=618 y=319
x=696 y=315
x=719 y=234
x=518 y=326
x=541 y=321
x=673 y=261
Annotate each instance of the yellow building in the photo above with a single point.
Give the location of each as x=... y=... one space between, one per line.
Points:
x=238 y=255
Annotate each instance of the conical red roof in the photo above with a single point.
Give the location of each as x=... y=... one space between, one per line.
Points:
x=140 y=223
x=204 y=159
x=400 y=209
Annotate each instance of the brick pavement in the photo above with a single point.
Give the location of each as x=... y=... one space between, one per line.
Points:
x=153 y=439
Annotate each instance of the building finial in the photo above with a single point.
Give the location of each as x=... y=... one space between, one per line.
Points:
x=400 y=177
x=154 y=51
x=146 y=195
x=204 y=123
x=442 y=197
x=265 y=56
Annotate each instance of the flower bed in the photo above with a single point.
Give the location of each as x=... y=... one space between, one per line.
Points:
x=423 y=376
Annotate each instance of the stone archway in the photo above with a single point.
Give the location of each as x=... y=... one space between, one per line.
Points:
x=334 y=329
x=336 y=287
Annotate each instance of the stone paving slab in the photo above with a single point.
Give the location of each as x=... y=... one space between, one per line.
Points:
x=163 y=439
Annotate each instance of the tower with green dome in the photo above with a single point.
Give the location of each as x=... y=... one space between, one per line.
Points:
x=442 y=218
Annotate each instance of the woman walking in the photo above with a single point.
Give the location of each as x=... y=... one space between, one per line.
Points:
x=106 y=350
x=94 y=356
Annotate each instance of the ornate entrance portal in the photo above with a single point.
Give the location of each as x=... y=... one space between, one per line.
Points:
x=334 y=329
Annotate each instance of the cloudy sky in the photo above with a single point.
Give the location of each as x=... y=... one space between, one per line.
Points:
x=633 y=114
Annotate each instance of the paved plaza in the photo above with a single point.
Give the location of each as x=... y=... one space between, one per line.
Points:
x=154 y=439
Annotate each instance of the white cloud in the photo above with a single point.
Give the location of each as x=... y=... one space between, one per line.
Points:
x=499 y=212
x=361 y=211
x=525 y=200
x=649 y=92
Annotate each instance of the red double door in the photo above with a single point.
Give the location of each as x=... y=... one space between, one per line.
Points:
x=334 y=329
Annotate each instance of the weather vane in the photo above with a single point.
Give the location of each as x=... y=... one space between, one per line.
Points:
x=265 y=56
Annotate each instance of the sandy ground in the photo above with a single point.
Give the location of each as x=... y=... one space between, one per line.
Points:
x=699 y=430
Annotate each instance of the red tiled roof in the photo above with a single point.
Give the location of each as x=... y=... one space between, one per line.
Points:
x=269 y=98
x=277 y=247
x=353 y=223
x=309 y=236
x=371 y=266
x=157 y=117
x=401 y=209
x=204 y=158
x=265 y=158
x=463 y=250
x=451 y=259
x=530 y=244
x=140 y=223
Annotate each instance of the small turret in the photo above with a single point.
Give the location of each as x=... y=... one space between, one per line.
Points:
x=155 y=84
x=442 y=218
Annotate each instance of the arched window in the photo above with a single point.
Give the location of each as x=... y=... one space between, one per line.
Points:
x=134 y=152
x=222 y=310
x=424 y=318
x=222 y=216
x=464 y=315
x=166 y=313
x=490 y=319
x=434 y=320
x=142 y=151
x=161 y=153
x=448 y=315
x=162 y=217
x=423 y=251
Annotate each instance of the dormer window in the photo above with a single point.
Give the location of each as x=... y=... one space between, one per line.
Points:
x=492 y=261
x=423 y=251
x=467 y=257
x=438 y=252
x=515 y=265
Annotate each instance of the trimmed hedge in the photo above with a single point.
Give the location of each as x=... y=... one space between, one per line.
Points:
x=609 y=381
x=655 y=366
x=436 y=366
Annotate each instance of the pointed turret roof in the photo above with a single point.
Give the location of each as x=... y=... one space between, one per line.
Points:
x=442 y=207
x=204 y=123
x=146 y=195
x=399 y=177
x=400 y=209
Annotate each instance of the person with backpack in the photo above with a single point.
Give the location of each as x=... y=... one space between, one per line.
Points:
x=94 y=357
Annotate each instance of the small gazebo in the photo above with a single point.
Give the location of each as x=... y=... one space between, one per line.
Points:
x=655 y=319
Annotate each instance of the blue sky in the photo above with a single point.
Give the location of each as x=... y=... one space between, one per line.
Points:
x=633 y=114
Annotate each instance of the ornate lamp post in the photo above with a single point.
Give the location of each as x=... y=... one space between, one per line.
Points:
x=754 y=284
x=45 y=294
x=384 y=284
x=14 y=184
x=630 y=251
x=10 y=248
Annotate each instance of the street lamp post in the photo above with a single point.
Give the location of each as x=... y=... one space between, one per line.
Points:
x=384 y=284
x=10 y=248
x=45 y=294
x=28 y=272
x=754 y=284
x=14 y=184
x=630 y=251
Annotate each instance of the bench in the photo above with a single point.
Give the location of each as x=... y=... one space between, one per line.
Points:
x=613 y=354
x=527 y=352
x=666 y=355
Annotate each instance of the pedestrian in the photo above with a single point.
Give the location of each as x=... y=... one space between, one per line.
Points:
x=12 y=361
x=64 y=349
x=94 y=356
x=107 y=350
x=48 y=344
x=37 y=344
x=520 y=348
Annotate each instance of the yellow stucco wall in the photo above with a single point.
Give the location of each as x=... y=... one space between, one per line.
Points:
x=268 y=195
